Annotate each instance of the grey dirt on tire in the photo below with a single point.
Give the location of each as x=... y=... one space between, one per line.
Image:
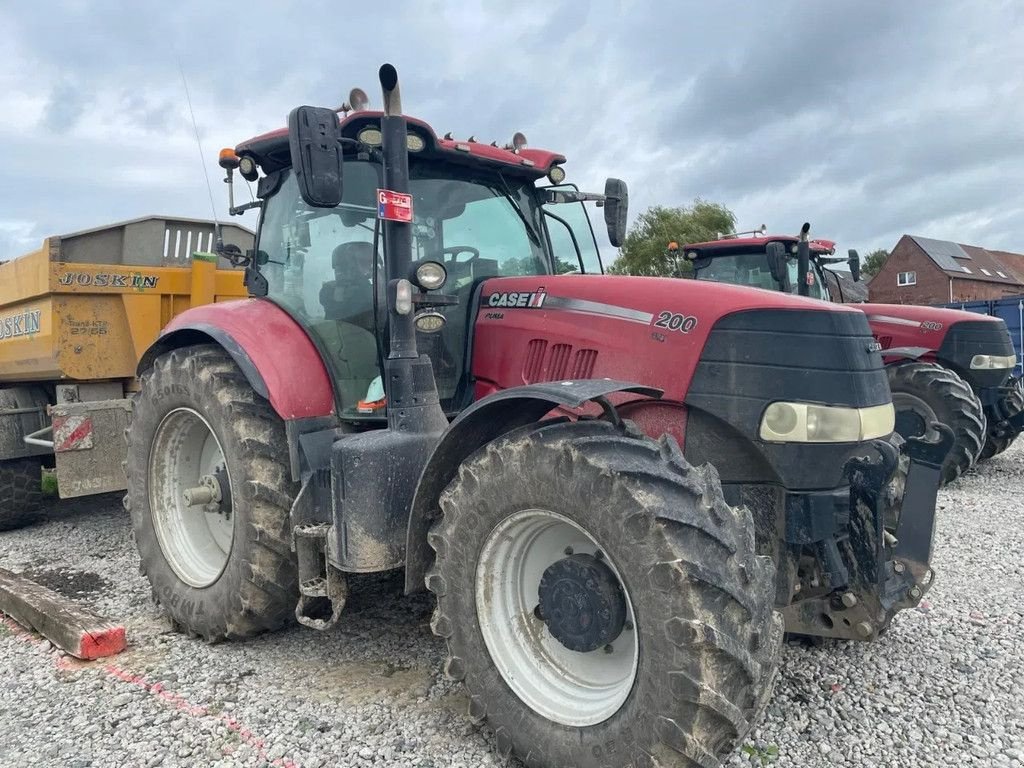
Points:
x=21 y=492
x=256 y=590
x=701 y=600
x=921 y=391
x=1012 y=403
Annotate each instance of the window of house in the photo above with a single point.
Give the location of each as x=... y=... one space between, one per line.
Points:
x=906 y=278
x=1001 y=274
x=967 y=270
x=985 y=271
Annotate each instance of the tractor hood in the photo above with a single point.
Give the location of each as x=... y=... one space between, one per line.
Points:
x=949 y=336
x=646 y=329
x=911 y=313
x=721 y=354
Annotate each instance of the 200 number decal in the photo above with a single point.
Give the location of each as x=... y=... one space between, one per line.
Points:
x=676 y=322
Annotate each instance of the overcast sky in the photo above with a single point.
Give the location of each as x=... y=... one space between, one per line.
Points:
x=869 y=119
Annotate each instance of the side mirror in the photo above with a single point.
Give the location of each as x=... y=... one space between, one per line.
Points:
x=616 y=208
x=314 y=135
x=854 y=262
x=776 y=253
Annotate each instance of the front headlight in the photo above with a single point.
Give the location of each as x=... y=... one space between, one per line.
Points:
x=988 y=362
x=810 y=423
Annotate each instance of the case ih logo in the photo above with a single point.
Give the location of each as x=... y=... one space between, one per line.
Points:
x=21 y=324
x=525 y=300
x=105 y=280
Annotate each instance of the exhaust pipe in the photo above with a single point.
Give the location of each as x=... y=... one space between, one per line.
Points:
x=397 y=234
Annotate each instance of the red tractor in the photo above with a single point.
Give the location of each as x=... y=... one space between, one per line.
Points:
x=620 y=490
x=944 y=365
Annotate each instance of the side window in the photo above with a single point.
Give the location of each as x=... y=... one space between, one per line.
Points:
x=568 y=220
x=338 y=259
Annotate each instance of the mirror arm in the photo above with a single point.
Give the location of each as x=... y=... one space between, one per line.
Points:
x=557 y=196
x=238 y=210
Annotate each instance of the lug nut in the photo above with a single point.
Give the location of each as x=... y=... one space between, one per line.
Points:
x=609 y=649
x=899 y=567
x=568 y=551
x=849 y=599
x=864 y=629
x=915 y=592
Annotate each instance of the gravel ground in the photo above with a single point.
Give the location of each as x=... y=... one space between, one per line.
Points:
x=942 y=688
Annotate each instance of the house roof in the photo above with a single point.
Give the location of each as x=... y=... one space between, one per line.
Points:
x=851 y=292
x=1014 y=262
x=972 y=262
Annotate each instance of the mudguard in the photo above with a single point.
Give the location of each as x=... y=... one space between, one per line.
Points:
x=276 y=355
x=478 y=425
x=895 y=354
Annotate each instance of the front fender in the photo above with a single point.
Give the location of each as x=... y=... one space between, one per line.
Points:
x=274 y=353
x=902 y=354
x=482 y=422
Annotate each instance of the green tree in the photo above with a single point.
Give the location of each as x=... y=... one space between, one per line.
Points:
x=645 y=250
x=873 y=262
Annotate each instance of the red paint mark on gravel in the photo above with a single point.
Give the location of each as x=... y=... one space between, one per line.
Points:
x=183 y=705
x=68 y=663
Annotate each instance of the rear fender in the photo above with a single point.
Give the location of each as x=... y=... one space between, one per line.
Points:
x=484 y=421
x=274 y=353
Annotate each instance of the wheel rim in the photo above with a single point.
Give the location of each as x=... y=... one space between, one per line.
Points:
x=195 y=538
x=913 y=415
x=569 y=687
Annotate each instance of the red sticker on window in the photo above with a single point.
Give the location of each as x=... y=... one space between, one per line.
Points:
x=394 y=206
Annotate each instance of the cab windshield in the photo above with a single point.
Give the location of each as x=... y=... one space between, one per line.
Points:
x=320 y=265
x=751 y=269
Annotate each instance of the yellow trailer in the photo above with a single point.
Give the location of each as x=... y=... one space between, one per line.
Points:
x=75 y=317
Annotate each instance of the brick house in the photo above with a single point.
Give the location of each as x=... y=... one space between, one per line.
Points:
x=921 y=270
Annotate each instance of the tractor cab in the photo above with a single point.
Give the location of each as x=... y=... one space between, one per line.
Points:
x=477 y=211
x=771 y=262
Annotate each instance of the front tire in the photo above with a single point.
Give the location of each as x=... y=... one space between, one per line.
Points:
x=222 y=567
x=1011 y=404
x=631 y=539
x=924 y=392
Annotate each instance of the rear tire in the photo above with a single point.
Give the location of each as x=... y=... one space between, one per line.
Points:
x=240 y=579
x=927 y=391
x=1011 y=404
x=699 y=601
x=21 y=492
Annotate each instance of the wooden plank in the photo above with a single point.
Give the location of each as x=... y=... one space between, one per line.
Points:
x=59 y=619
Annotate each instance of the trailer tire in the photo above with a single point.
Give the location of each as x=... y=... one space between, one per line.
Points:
x=1011 y=404
x=699 y=602
x=928 y=391
x=255 y=589
x=21 y=492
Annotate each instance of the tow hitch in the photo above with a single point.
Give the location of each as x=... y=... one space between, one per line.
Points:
x=877 y=561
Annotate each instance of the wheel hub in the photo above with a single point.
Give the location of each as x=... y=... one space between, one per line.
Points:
x=910 y=423
x=581 y=602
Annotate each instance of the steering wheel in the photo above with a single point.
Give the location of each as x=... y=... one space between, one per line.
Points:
x=455 y=250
